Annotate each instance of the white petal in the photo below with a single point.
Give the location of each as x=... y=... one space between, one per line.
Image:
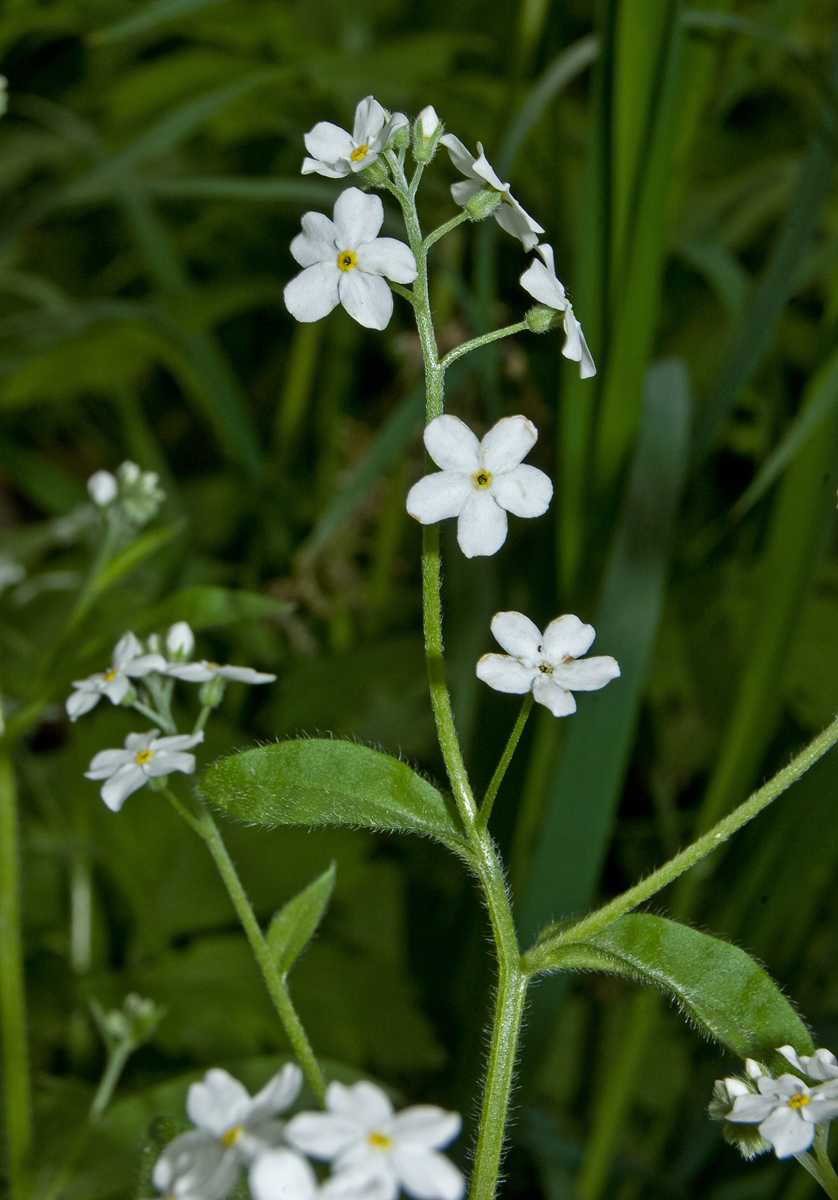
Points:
x=575 y=347
x=511 y=217
x=517 y=634
x=507 y=443
x=144 y=665
x=587 y=674
x=81 y=702
x=282 y=1175
x=486 y=171
x=116 y=689
x=165 y=764
x=126 y=648
x=129 y=778
x=505 y=674
x=428 y=121
x=245 y=675
x=194 y=672
x=103 y=488
x=390 y=257
x=428 y=1176
x=217 y=1103
x=367 y=298
x=106 y=762
x=135 y=742
x=328 y=142
x=369 y=118
x=543 y=285
x=195 y=1166
x=567 y=635
x=358 y=218
x=397 y=121
x=751 y=1109
x=314 y=292
x=180 y=639
x=278 y=1093
x=365 y=1181
x=425 y=1125
x=363 y=1102
x=322 y=1135
x=821 y=1065
x=317 y=241
x=546 y=692
x=452 y=445
x=525 y=492
x=460 y=156
x=437 y=497
x=819 y=1111
x=787 y=1132
x=482 y=526
x=336 y=170
x=463 y=191
x=177 y=741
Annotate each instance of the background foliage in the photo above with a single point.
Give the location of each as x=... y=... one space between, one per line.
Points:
x=681 y=162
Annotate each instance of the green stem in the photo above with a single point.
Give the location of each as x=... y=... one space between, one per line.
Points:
x=506 y=759
x=117 y=1059
x=154 y=716
x=16 y=1086
x=825 y=1173
x=203 y=717
x=204 y=825
x=700 y=848
x=483 y=340
x=434 y=237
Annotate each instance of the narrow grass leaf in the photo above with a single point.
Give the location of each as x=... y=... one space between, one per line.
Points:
x=149 y=18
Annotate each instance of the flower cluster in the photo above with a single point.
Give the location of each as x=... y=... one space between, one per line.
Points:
x=374 y=1152
x=151 y=756
x=135 y=491
x=786 y=1111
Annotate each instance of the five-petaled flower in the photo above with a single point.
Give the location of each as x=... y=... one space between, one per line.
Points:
x=375 y=1151
x=787 y=1111
x=541 y=282
x=481 y=176
x=336 y=153
x=344 y=262
x=480 y=482
x=127 y=662
x=146 y=756
x=545 y=665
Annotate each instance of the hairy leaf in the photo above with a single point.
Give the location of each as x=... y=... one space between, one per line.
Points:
x=293 y=926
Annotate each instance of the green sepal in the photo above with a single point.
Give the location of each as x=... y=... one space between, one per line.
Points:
x=717 y=986
x=293 y=926
x=319 y=781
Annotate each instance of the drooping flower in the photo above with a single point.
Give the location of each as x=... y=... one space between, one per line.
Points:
x=146 y=756
x=375 y=1151
x=127 y=662
x=548 y=665
x=336 y=153
x=481 y=176
x=822 y=1065
x=480 y=482
x=541 y=282
x=787 y=1111
x=345 y=261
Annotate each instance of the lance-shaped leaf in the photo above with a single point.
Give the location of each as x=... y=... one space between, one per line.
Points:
x=296 y=921
x=319 y=781
x=718 y=986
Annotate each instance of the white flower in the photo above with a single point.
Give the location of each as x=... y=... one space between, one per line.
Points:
x=146 y=756
x=200 y=672
x=180 y=641
x=540 y=281
x=822 y=1065
x=787 y=1111
x=336 y=153
x=127 y=662
x=375 y=1151
x=480 y=176
x=223 y=1109
x=195 y=1166
x=545 y=665
x=344 y=262
x=103 y=488
x=480 y=482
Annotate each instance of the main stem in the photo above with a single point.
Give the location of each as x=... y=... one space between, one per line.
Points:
x=12 y=996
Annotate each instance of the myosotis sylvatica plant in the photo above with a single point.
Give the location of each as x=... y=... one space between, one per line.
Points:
x=788 y=1092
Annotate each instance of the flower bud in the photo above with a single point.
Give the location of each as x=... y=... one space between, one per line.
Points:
x=376 y=174
x=211 y=692
x=539 y=318
x=180 y=641
x=103 y=488
x=427 y=130
x=482 y=204
x=401 y=137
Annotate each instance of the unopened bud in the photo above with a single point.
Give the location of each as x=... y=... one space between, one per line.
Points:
x=103 y=488
x=540 y=318
x=482 y=204
x=427 y=130
x=376 y=174
x=180 y=641
x=211 y=692
x=401 y=137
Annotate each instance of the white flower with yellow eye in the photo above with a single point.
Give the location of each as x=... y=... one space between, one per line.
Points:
x=480 y=482
x=345 y=262
x=541 y=282
x=787 y=1112
x=146 y=756
x=127 y=662
x=376 y=1152
x=336 y=153
x=481 y=176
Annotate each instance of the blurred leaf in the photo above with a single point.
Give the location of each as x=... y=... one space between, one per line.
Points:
x=208 y=606
x=320 y=782
x=135 y=553
x=718 y=986
x=151 y=16
x=294 y=925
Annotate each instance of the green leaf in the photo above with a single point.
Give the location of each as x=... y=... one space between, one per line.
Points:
x=295 y=923
x=148 y=17
x=718 y=986
x=323 y=782
x=208 y=606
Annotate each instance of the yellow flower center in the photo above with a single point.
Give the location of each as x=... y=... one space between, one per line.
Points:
x=545 y=668
x=798 y=1101
x=347 y=260
x=109 y=675
x=379 y=1141
x=481 y=480
x=144 y=756
x=232 y=1136
x=358 y=153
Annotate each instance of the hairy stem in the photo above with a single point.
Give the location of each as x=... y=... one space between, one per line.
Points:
x=483 y=340
x=506 y=759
